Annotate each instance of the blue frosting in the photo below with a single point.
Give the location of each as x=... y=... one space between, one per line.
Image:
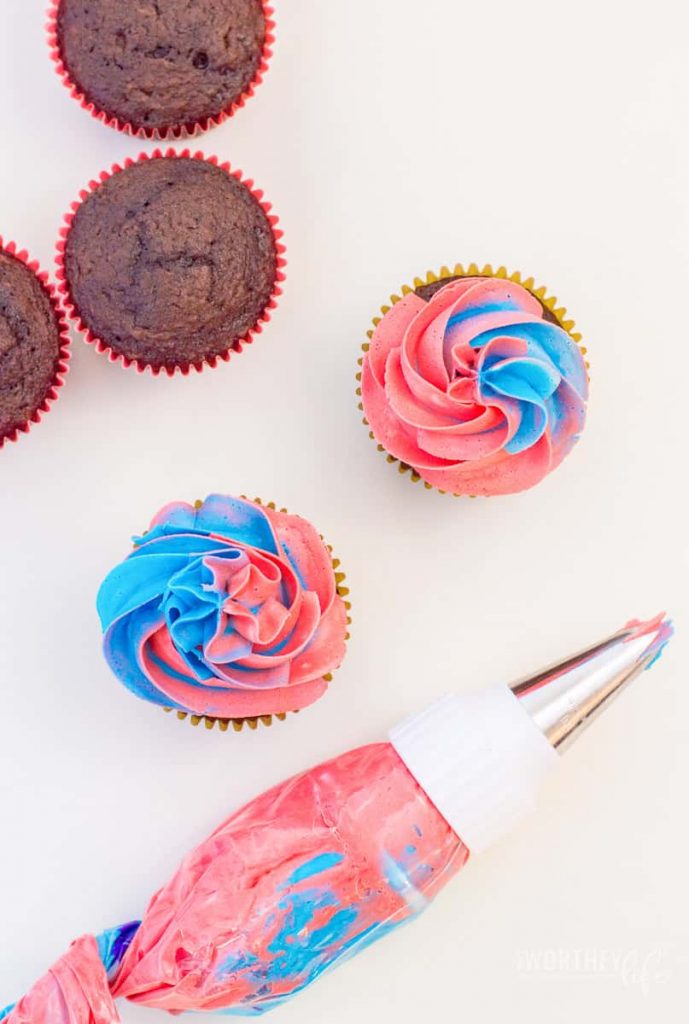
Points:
x=296 y=950
x=166 y=581
x=533 y=380
x=315 y=866
x=300 y=953
x=223 y=515
x=114 y=943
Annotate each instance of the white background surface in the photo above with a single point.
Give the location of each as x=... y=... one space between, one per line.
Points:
x=391 y=138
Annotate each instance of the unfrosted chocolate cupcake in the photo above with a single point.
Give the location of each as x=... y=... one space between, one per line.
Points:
x=32 y=345
x=156 y=67
x=170 y=263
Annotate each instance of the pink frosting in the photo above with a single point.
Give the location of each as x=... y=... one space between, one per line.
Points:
x=475 y=389
x=301 y=878
x=74 y=991
x=227 y=609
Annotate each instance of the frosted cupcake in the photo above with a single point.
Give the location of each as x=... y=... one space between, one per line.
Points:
x=226 y=610
x=475 y=382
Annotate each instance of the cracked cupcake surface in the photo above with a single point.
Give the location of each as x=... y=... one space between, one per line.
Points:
x=161 y=65
x=474 y=384
x=225 y=608
x=30 y=344
x=170 y=262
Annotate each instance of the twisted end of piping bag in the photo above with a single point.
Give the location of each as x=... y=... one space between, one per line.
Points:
x=82 y=978
x=481 y=759
x=563 y=699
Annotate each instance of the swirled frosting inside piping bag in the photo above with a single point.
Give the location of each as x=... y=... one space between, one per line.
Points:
x=303 y=877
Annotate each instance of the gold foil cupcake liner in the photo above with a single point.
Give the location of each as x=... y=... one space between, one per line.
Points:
x=237 y=724
x=225 y=723
x=539 y=292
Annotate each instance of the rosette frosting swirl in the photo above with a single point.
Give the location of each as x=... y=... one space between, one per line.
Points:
x=479 y=389
x=226 y=609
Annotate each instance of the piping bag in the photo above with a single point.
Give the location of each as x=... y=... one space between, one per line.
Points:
x=321 y=866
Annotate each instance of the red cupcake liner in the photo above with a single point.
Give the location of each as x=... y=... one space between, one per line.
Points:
x=101 y=346
x=186 y=131
x=62 y=365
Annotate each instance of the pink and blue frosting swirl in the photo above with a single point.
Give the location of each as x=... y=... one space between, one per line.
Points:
x=227 y=609
x=299 y=880
x=478 y=389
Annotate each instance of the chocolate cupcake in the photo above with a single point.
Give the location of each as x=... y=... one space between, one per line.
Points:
x=33 y=343
x=474 y=382
x=171 y=262
x=161 y=68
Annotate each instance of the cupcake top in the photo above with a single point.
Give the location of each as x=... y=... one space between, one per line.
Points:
x=170 y=262
x=30 y=344
x=474 y=383
x=164 y=65
x=227 y=609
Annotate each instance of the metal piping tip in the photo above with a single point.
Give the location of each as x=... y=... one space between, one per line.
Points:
x=566 y=697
